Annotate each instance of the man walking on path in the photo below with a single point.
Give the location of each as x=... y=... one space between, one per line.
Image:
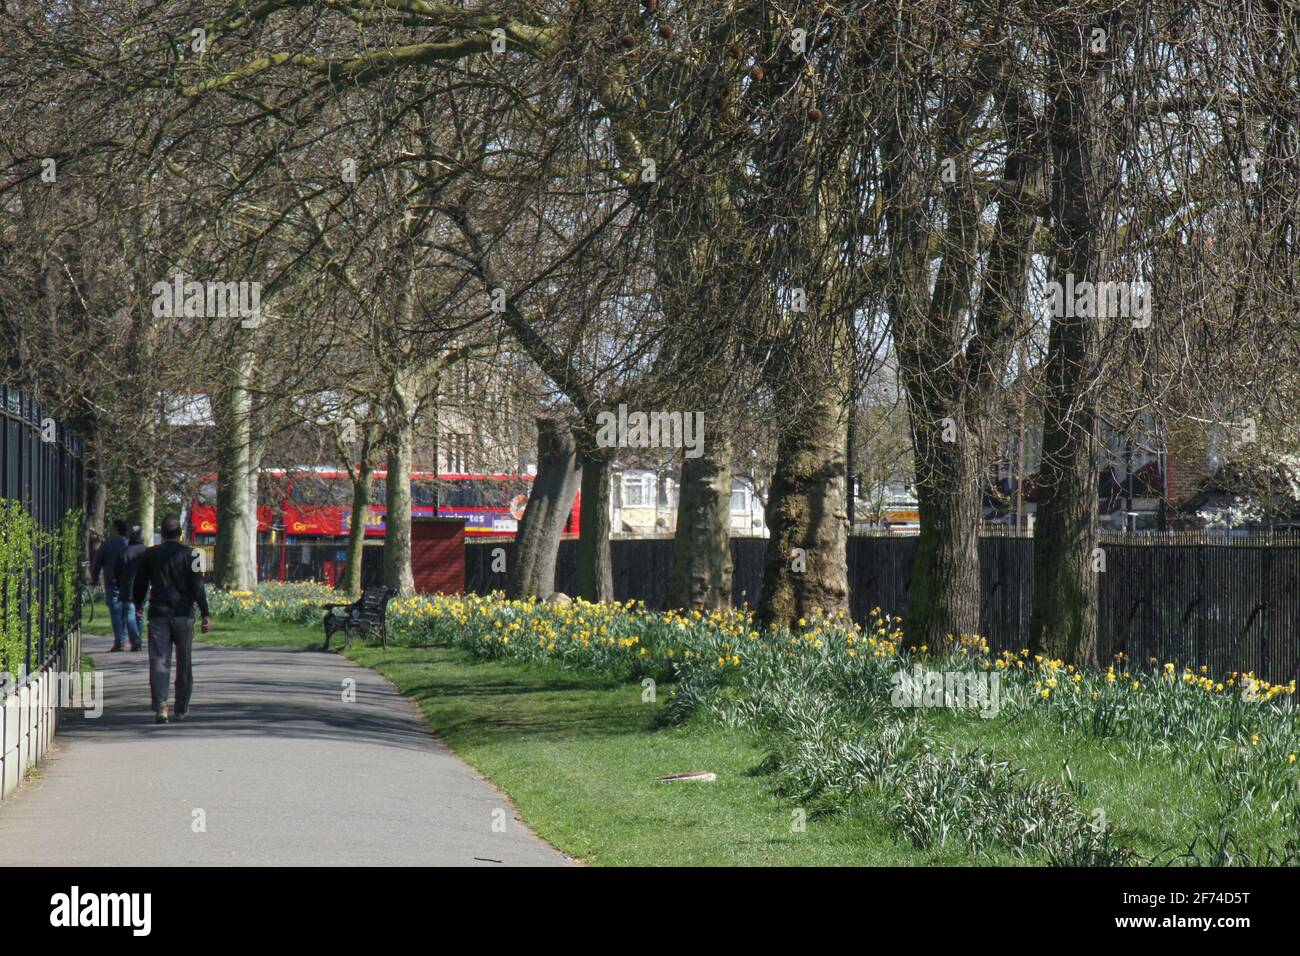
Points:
x=170 y=573
x=105 y=561
x=127 y=563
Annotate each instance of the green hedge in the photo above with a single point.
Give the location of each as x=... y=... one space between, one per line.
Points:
x=21 y=540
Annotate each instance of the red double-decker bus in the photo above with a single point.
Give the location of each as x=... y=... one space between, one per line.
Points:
x=202 y=512
x=317 y=503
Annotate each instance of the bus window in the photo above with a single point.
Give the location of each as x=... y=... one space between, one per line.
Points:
x=464 y=493
x=508 y=489
x=270 y=490
x=424 y=492
x=320 y=491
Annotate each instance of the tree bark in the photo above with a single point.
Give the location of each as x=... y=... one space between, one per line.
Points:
x=256 y=450
x=96 y=508
x=1063 y=623
x=397 y=536
x=928 y=327
x=361 y=484
x=807 y=511
x=944 y=590
x=254 y=463
x=550 y=501
x=951 y=375
x=233 y=561
x=140 y=497
x=595 y=564
x=701 y=573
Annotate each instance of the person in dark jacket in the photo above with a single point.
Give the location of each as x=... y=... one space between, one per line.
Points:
x=124 y=570
x=170 y=573
x=105 y=563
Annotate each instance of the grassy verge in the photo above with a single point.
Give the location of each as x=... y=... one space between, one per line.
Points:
x=815 y=761
x=232 y=633
x=1149 y=805
x=579 y=755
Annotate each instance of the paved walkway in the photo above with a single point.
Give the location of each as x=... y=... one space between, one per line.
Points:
x=283 y=770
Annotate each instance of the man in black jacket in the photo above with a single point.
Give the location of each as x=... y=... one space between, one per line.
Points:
x=105 y=563
x=127 y=563
x=171 y=574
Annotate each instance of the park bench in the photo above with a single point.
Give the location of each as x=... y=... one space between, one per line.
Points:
x=363 y=616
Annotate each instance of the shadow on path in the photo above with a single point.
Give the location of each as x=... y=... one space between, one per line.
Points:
x=272 y=766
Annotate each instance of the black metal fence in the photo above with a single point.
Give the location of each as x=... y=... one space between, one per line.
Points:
x=1230 y=603
x=308 y=561
x=1230 y=606
x=41 y=467
x=324 y=561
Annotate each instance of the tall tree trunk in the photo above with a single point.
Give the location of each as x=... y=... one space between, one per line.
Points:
x=549 y=502
x=406 y=380
x=362 y=481
x=951 y=371
x=701 y=574
x=944 y=591
x=929 y=326
x=1063 y=622
x=595 y=564
x=256 y=450
x=141 y=489
x=397 y=536
x=233 y=561
x=805 y=572
x=852 y=481
x=96 y=506
x=255 y=462
x=140 y=497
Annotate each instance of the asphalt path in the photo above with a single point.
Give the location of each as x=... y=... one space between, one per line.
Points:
x=274 y=765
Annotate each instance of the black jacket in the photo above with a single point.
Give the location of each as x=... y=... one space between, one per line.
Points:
x=105 y=560
x=169 y=573
x=125 y=567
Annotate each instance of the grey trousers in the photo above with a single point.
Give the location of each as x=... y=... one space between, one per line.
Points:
x=164 y=634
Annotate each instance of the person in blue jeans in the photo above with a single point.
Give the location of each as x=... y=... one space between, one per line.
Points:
x=105 y=563
x=124 y=571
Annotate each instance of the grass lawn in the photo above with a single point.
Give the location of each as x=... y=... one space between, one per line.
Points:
x=579 y=753
x=248 y=633
x=1150 y=805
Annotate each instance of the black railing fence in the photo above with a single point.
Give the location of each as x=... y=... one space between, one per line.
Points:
x=1230 y=603
x=310 y=561
x=324 y=561
x=41 y=468
x=1231 y=607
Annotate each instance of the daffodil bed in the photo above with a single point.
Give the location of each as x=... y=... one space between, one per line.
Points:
x=823 y=698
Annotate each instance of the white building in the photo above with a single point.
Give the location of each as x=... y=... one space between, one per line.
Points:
x=644 y=502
